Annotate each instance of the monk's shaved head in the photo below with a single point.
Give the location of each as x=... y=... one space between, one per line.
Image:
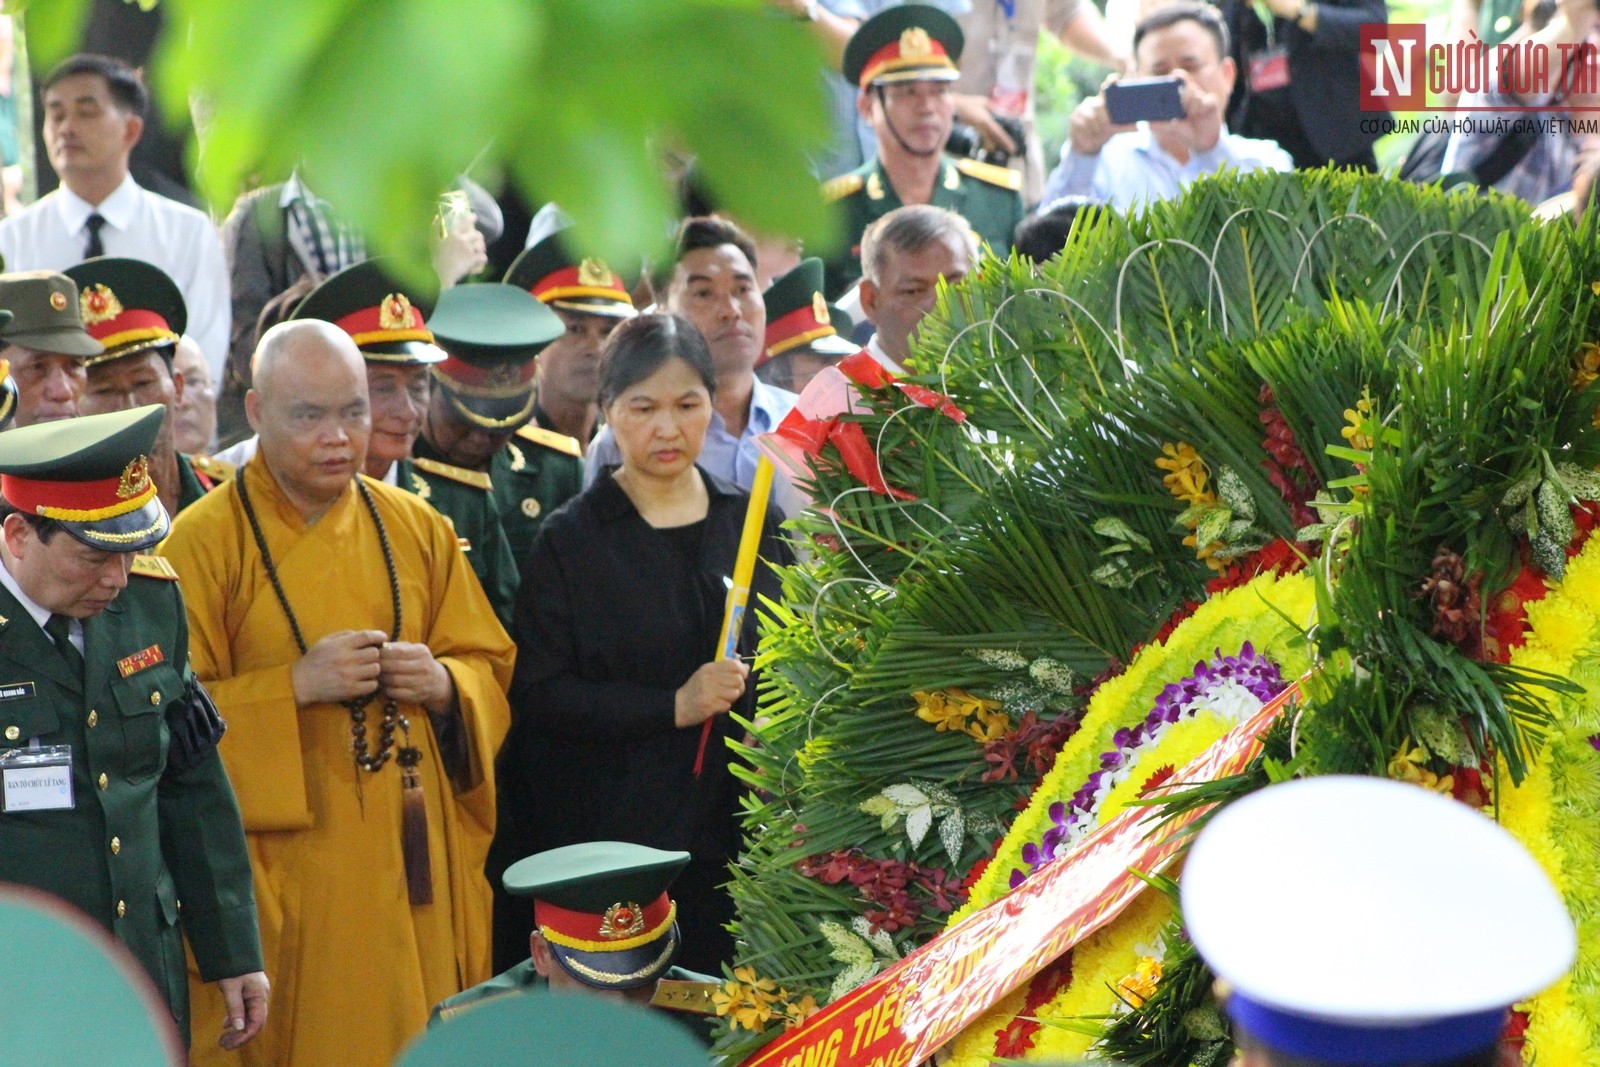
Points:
x=309 y=405
x=290 y=349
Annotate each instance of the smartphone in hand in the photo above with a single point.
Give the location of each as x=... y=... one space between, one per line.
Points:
x=1133 y=100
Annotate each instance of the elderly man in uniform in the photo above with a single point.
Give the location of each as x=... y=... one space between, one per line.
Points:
x=137 y=313
x=115 y=798
x=602 y=923
x=386 y=321
x=591 y=300
x=804 y=332
x=483 y=398
x=904 y=59
x=363 y=676
x=45 y=344
x=1300 y=896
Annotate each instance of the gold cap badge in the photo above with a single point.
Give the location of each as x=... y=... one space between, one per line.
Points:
x=395 y=312
x=135 y=478
x=622 y=920
x=58 y=301
x=594 y=274
x=819 y=309
x=97 y=303
x=914 y=43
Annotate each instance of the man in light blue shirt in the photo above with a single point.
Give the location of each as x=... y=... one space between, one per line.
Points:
x=1126 y=166
x=713 y=285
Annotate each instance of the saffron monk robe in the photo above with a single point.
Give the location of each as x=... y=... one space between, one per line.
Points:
x=115 y=799
x=137 y=312
x=484 y=398
x=363 y=675
x=386 y=321
x=603 y=923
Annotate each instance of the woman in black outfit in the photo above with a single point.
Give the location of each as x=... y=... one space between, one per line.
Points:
x=616 y=626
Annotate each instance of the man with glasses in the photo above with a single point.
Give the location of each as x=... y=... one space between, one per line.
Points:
x=1129 y=165
x=904 y=59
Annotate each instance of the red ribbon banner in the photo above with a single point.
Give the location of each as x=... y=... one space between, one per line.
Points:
x=905 y=1014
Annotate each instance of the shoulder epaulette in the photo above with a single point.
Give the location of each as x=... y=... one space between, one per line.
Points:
x=476 y=479
x=842 y=186
x=154 y=567
x=558 y=442
x=457 y=1010
x=1004 y=177
x=676 y=995
x=217 y=469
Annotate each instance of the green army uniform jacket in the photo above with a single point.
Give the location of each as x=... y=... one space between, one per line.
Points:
x=537 y=472
x=150 y=853
x=198 y=475
x=686 y=994
x=987 y=196
x=464 y=497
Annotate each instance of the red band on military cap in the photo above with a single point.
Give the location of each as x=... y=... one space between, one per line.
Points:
x=889 y=58
x=622 y=926
x=800 y=327
x=567 y=283
x=75 y=501
x=133 y=324
x=507 y=378
x=385 y=322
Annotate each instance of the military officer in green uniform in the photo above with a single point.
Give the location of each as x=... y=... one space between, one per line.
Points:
x=557 y=1031
x=114 y=797
x=804 y=332
x=44 y=344
x=137 y=314
x=591 y=300
x=602 y=921
x=478 y=417
x=904 y=59
x=387 y=322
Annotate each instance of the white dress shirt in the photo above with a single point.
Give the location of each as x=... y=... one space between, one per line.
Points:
x=1132 y=169
x=51 y=235
x=38 y=614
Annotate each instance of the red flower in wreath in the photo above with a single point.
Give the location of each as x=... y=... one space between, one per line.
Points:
x=1016 y=1039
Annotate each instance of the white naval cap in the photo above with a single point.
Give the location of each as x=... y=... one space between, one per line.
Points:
x=1371 y=922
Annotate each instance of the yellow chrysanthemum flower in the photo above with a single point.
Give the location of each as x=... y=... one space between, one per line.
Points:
x=1140 y=986
x=1561 y=625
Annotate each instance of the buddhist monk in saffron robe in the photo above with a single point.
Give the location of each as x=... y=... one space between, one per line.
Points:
x=363 y=675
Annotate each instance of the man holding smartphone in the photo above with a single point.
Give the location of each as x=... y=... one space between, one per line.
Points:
x=1146 y=139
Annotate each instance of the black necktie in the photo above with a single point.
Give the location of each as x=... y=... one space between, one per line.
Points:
x=59 y=629
x=94 y=248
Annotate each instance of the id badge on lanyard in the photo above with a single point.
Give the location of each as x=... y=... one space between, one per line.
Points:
x=36 y=778
x=1269 y=69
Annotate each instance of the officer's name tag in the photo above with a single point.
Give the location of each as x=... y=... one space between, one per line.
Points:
x=16 y=690
x=36 y=779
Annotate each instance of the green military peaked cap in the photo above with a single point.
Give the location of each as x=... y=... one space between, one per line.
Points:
x=552 y=273
x=798 y=318
x=91 y=474
x=491 y=334
x=386 y=319
x=908 y=42
x=44 y=314
x=604 y=909
x=556 y=1030
x=59 y=965
x=128 y=305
